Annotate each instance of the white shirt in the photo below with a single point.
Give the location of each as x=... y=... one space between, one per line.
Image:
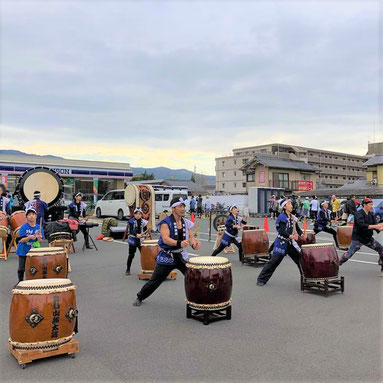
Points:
x=314 y=205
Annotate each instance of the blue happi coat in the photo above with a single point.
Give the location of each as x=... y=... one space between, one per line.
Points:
x=285 y=228
x=231 y=233
x=136 y=227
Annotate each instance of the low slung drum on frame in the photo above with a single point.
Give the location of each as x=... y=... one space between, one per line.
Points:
x=255 y=243
x=344 y=234
x=46 y=262
x=320 y=265
x=3 y=220
x=208 y=286
x=43 y=314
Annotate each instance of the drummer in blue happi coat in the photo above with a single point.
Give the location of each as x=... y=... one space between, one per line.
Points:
x=176 y=235
x=233 y=225
x=285 y=243
x=137 y=233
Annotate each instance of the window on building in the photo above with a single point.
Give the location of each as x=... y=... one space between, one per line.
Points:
x=235 y=174
x=250 y=177
x=245 y=161
x=235 y=162
x=243 y=184
x=223 y=174
x=235 y=184
x=223 y=186
x=305 y=177
x=283 y=180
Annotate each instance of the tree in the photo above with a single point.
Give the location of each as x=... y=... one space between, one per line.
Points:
x=143 y=177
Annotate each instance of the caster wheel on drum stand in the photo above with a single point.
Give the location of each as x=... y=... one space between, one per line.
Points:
x=72 y=355
x=188 y=312
x=228 y=313
x=23 y=366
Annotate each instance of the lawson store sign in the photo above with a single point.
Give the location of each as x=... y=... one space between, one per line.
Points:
x=69 y=172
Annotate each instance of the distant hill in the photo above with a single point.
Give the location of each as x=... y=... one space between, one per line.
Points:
x=159 y=172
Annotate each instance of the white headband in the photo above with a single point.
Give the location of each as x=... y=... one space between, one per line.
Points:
x=137 y=211
x=179 y=202
x=79 y=194
x=284 y=203
x=232 y=207
x=324 y=203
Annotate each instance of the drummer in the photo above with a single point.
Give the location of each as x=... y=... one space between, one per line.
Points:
x=137 y=232
x=77 y=211
x=324 y=221
x=233 y=225
x=30 y=235
x=364 y=226
x=4 y=202
x=41 y=207
x=285 y=243
x=176 y=235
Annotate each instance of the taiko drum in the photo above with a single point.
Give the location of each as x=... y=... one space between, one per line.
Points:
x=320 y=261
x=3 y=220
x=208 y=283
x=46 y=262
x=17 y=219
x=255 y=241
x=43 y=314
x=309 y=240
x=149 y=252
x=344 y=234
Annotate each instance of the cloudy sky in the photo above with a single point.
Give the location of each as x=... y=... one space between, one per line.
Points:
x=178 y=83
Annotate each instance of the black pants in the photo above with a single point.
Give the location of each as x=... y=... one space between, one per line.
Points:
x=84 y=231
x=21 y=269
x=132 y=253
x=222 y=246
x=275 y=260
x=329 y=230
x=159 y=275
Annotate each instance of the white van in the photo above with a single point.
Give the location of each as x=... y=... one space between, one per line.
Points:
x=112 y=204
x=164 y=194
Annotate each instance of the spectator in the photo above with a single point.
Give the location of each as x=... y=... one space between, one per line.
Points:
x=335 y=207
x=314 y=208
x=199 y=206
x=192 y=204
x=272 y=212
x=207 y=205
x=349 y=209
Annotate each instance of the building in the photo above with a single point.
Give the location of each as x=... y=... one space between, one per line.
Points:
x=193 y=188
x=273 y=172
x=76 y=174
x=334 y=168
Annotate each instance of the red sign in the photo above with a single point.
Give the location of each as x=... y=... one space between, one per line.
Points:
x=304 y=185
x=261 y=177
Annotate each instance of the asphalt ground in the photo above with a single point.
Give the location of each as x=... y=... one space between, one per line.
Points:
x=277 y=333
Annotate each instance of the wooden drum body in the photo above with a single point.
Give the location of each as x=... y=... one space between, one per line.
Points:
x=320 y=261
x=255 y=241
x=309 y=240
x=3 y=220
x=149 y=252
x=42 y=314
x=208 y=283
x=17 y=219
x=61 y=235
x=46 y=262
x=344 y=234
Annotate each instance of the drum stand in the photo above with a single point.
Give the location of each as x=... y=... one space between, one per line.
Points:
x=27 y=356
x=208 y=316
x=323 y=286
x=256 y=259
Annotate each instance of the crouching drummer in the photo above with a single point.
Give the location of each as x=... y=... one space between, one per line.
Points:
x=31 y=235
x=233 y=225
x=324 y=221
x=364 y=226
x=176 y=235
x=285 y=243
x=77 y=211
x=137 y=233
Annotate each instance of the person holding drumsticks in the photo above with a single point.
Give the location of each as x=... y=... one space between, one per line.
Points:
x=362 y=233
x=324 y=221
x=285 y=243
x=29 y=233
x=233 y=225
x=137 y=233
x=176 y=235
x=77 y=211
x=41 y=207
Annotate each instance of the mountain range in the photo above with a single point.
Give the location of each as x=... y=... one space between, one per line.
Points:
x=160 y=172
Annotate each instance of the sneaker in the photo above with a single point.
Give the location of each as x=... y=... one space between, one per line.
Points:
x=127 y=272
x=261 y=283
x=137 y=302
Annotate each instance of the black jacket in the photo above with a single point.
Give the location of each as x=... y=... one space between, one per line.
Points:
x=360 y=232
x=350 y=207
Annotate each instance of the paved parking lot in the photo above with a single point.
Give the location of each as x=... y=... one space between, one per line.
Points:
x=277 y=333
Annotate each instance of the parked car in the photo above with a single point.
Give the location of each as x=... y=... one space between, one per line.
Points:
x=378 y=210
x=112 y=204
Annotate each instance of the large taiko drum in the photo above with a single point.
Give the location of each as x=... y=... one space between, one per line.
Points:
x=208 y=283
x=320 y=261
x=17 y=219
x=309 y=240
x=59 y=236
x=255 y=241
x=46 y=262
x=344 y=234
x=43 y=314
x=3 y=220
x=149 y=252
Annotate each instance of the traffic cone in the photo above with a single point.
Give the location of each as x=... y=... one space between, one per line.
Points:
x=305 y=225
x=266 y=225
x=192 y=218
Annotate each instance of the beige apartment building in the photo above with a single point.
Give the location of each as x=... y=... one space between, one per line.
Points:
x=333 y=169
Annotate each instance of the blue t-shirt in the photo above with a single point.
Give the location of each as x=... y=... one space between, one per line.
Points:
x=25 y=231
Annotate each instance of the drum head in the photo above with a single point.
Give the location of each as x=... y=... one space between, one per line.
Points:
x=150 y=242
x=47 y=181
x=43 y=286
x=131 y=195
x=45 y=250
x=318 y=245
x=3 y=231
x=208 y=260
